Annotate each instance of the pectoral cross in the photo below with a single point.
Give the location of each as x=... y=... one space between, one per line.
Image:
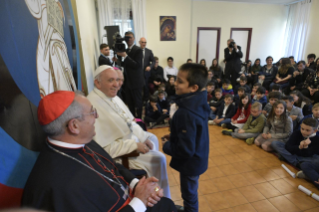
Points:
x=126 y=193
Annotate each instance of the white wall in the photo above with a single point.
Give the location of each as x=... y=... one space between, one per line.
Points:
x=179 y=49
x=267 y=21
x=89 y=37
x=312 y=41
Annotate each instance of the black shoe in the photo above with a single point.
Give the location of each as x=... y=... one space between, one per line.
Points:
x=179 y=208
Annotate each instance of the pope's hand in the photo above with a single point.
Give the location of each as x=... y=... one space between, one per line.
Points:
x=142 y=148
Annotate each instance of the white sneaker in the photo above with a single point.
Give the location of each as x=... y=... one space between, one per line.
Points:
x=211 y=122
x=302 y=175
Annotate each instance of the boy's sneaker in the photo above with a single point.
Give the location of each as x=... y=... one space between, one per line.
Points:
x=250 y=141
x=211 y=122
x=302 y=175
x=227 y=132
x=223 y=125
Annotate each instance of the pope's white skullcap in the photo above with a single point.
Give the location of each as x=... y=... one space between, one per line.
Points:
x=100 y=69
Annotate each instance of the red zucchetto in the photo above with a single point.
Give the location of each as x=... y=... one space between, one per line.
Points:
x=53 y=105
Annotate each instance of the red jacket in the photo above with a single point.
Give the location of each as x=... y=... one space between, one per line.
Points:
x=246 y=112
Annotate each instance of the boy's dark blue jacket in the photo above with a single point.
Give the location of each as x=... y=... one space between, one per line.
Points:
x=263 y=101
x=293 y=143
x=189 y=140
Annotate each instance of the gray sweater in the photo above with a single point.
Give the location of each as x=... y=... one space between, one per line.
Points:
x=296 y=111
x=278 y=129
x=267 y=108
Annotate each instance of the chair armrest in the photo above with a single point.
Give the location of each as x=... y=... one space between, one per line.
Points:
x=125 y=157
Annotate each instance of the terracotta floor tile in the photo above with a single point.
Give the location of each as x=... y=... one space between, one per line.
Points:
x=216 y=201
x=207 y=187
x=214 y=172
x=244 y=208
x=280 y=172
x=283 y=204
x=204 y=176
x=253 y=177
x=234 y=197
x=282 y=186
x=228 y=169
x=268 y=174
x=271 y=161
x=171 y=180
x=219 y=160
x=238 y=180
x=236 y=149
x=251 y=193
x=175 y=193
x=295 y=182
x=242 y=167
x=232 y=158
x=264 y=206
x=224 y=151
x=223 y=183
x=313 y=210
x=226 y=210
x=267 y=190
x=255 y=164
x=203 y=204
x=245 y=156
x=301 y=200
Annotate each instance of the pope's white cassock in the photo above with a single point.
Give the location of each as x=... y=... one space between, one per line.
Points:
x=118 y=134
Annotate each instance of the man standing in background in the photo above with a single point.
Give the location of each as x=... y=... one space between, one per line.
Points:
x=105 y=53
x=148 y=63
x=233 y=64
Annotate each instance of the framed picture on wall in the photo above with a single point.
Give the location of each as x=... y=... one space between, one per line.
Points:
x=168 y=28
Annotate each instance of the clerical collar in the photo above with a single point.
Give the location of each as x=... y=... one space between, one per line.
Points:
x=65 y=144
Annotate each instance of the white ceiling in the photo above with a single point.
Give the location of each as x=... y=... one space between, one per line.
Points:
x=284 y=2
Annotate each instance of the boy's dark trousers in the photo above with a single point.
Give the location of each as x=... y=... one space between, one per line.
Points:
x=157 y=120
x=189 y=187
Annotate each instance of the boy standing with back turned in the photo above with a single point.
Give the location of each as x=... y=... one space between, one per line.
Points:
x=188 y=143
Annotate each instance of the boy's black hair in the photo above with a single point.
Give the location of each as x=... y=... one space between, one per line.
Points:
x=196 y=74
x=269 y=57
x=291 y=57
x=311 y=122
x=261 y=90
x=160 y=92
x=274 y=95
x=311 y=56
x=276 y=87
x=189 y=60
x=210 y=71
x=289 y=98
x=257 y=84
x=153 y=98
x=228 y=96
x=170 y=58
x=226 y=81
x=210 y=84
x=241 y=88
x=243 y=78
x=103 y=45
x=155 y=58
x=301 y=62
x=218 y=90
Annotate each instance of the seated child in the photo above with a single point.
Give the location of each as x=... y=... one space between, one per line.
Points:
x=153 y=112
x=212 y=78
x=278 y=127
x=227 y=88
x=216 y=102
x=273 y=97
x=310 y=171
x=294 y=112
x=162 y=87
x=241 y=91
x=315 y=115
x=170 y=89
x=210 y=87
x=243 y=83
x=254 y=90
x=302 y=146
x=224 y=113
x=163 y=103
x=303 y=102
x=188 y=143
x=241 y=116
x=253 y=126
x=277 y=88
x=260 y=96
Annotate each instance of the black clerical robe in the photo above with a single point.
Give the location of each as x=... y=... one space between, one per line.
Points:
x=58 y=183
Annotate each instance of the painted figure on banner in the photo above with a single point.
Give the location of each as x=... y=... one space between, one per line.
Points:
x=168 y=28
x=53 y=66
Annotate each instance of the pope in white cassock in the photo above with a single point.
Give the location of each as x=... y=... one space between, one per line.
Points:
x=119 y=134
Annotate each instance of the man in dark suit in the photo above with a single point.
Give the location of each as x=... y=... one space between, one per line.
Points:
x=156 y=78
x=148 y=63
x=105 y=52
x=133 y=75
x=233 y=63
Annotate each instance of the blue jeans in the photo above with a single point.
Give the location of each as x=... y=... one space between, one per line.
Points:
x=212 y=116
x=279 y=147
x=189 y=187
x=282 y=86
x=311 y=170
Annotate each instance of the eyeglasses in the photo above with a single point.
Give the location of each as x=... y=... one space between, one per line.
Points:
x=93 y=112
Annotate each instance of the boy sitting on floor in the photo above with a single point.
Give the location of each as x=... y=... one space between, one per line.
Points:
x=253 y=126
x=294 y=112
x=273 y=97
x=260 y=96
x=302 y=146
x=215 y=103
x=241 y=91
x=315 y=114
x=154 y=113
x=227 y=88
x=225 y=112
x=243 y=83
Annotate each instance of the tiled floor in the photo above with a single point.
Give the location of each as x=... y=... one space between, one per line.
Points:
x=243 y=178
